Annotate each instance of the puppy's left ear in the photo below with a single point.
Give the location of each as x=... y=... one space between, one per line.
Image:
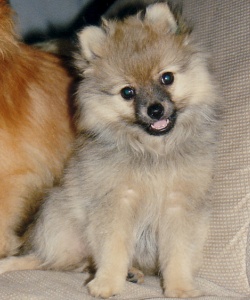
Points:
x=91 y=40
x=161 y=15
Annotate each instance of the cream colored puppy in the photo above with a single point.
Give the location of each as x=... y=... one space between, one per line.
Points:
x=135 y=191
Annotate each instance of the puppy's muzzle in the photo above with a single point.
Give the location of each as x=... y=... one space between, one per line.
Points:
x=161 y=121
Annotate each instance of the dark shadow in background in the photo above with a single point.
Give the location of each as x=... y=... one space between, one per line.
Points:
x=90 y=15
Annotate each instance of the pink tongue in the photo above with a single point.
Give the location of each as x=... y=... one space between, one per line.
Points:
x=160 y=124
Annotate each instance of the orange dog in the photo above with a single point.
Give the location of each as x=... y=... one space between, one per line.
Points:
x=35 y=128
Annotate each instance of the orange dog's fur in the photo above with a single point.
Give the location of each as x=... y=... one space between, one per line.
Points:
x=35 y=127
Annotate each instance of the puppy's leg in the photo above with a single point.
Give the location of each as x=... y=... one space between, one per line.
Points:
x=181 y=238
x=11 y=205
x=112 y=268
x=58 y=243
x=113 y=250
x=9 y=242
x=20 y=191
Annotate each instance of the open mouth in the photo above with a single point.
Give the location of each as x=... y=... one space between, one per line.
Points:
x=162 y=126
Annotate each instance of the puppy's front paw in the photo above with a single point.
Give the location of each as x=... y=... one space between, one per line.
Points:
x=181 y=293
x=135 y=276
x=104 y=288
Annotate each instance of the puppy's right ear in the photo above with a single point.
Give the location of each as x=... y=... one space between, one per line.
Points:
x=91 y=40
x=161 y=15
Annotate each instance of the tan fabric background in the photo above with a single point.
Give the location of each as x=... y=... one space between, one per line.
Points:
x=224 y=27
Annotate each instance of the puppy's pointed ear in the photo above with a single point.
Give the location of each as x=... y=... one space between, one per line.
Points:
x=91 y=40
x=161 y=14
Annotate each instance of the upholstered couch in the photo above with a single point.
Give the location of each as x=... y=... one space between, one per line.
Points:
x=223 y=27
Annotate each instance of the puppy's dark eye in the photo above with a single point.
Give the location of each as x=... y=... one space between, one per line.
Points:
x=167 y=78
x=128 y=93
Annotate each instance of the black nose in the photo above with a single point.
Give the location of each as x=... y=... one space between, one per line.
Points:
x=156 y=111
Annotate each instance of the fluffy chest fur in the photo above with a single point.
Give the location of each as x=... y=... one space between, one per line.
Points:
x=133 y=191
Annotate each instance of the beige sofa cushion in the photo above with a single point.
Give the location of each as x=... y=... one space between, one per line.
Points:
x=224 y=27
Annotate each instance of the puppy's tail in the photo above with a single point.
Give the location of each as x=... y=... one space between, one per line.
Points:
x=18 y=263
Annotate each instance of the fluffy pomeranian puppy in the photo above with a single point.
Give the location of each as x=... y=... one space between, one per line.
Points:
x=134 y=192
x=35 y=128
